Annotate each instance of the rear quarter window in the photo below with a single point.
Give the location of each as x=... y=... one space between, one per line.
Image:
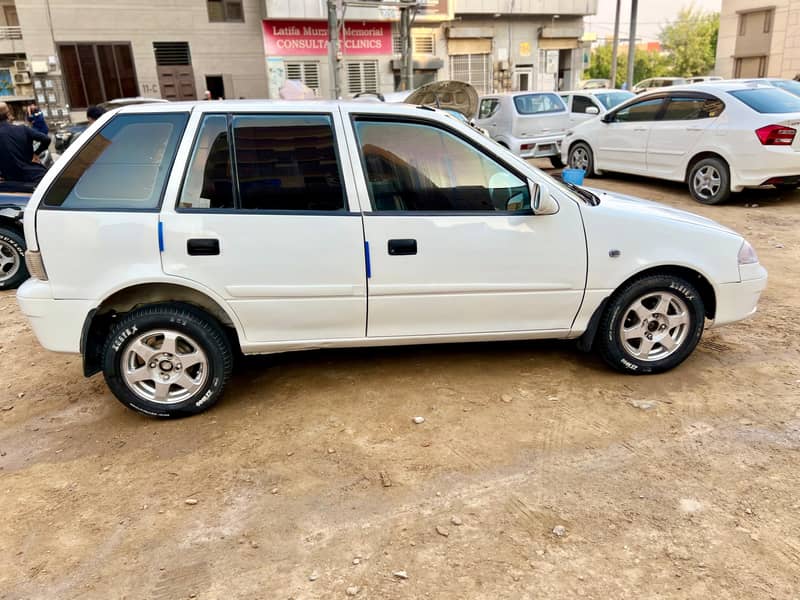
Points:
x=768 y=100
x=536 y=104
x=123 y=166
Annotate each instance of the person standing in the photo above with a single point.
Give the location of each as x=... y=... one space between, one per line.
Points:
x=36 y=118
x=16 y=150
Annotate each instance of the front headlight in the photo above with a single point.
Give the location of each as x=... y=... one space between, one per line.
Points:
x=747 y=255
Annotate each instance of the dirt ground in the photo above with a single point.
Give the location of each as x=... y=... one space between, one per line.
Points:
x=310 y=476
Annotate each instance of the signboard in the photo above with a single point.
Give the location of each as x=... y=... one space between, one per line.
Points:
x=6 y=83
x=551 y=61
x=310 y=38
x=434 y=10
x=524 y=48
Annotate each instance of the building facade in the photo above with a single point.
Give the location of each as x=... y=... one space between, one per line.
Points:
x=69 y=55
x=759 y=39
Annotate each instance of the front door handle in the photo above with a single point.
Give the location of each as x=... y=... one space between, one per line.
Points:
x=202 y=247
x=402 y=247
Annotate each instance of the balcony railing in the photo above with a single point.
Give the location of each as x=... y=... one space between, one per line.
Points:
x=11 y=33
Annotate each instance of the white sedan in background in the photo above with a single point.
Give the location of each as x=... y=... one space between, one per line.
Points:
x=718 y=137
x=587 y=104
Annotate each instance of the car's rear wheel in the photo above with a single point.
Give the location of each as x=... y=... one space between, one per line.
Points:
x=12 y=259
x=167 y=360
x=651 y=325
x=556 y=162
x=710 y=181
x=581 y=157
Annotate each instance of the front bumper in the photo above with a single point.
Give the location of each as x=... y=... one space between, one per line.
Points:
x=738 y=301
x=57 y=324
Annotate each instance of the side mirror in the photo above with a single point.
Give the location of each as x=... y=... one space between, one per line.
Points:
x=542 y=202
x=592 y=110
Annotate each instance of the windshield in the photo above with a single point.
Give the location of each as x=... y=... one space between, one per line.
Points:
x=768 y=100
x=612 y=99
x=535 y=104
x=788 y=85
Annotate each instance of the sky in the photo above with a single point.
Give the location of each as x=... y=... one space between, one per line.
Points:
x=653 y=15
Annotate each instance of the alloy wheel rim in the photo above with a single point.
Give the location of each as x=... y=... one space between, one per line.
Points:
x=707 y=182
x=654 y=326
x=580 y=159
x=164 y=366
x=9 y=261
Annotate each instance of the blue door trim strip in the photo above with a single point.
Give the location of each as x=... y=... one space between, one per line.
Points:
x=366 y=259
x=160 y=236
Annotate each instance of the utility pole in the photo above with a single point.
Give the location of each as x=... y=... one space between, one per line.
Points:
x=615 y=46
x=333 y=49
x=632 y=43
x=407 y=66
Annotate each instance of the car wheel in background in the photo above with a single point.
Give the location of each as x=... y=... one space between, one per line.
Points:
x=651 y=324
x=710 y=181
x=12 y=259
x=581 y=157
x=167 y=360
x=556 y=162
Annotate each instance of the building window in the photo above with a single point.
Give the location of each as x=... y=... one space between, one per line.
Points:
x=306 y=72
x=767 y=21
x=750 y=66
x=421 y=43
x=220 y=11
x=742 y=24
x=96 y=73
x=475 y=69
x=362 y=77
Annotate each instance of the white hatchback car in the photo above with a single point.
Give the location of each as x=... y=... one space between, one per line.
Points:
x=530 y=124
x=718 y=137
x=587 y=104
x=171 y=234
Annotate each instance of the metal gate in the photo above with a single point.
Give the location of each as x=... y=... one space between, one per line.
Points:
x=475 y=69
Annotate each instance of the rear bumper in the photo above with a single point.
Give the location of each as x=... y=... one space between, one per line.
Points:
x=754 y=170
x=738 y=301
x=57 y=324
x=541 y=147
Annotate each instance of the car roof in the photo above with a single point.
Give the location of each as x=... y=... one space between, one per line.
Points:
x=714 y=87
x=596 y=91
x=512 y=94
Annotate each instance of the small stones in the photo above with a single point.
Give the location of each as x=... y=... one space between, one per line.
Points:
x=456 y=520
x=419 y=420
x=678 y=553
x=400 y=574
x=331 y=450
x=559 y=531
x=314 y=576
x=273 y=491
x=385 y=480
x=253 y=544
x=190 y=501
x=442 y=531
x=507 y=398
x=779 y=246
x=353 y=590
x=690 y=505
x=356 y=561
x=21 y=395
x=643 y=404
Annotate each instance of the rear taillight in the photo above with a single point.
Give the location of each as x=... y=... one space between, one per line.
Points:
x=776 y=135
x=33 y=260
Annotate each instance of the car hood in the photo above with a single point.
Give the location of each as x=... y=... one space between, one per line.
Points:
x=631 y=204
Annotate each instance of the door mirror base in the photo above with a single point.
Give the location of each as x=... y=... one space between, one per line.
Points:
x=542 y=202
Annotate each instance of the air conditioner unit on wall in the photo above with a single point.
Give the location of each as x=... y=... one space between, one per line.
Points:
x=22 y=65
x=22 y=78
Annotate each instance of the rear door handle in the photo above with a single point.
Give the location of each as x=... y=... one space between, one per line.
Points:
x=202 y=247
x=402 y=247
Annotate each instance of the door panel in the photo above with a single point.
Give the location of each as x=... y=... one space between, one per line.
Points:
x=291 y=258
x=479 y=265
x=622 y=143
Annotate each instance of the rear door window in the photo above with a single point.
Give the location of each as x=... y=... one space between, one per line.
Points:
x=123 y=167
x=689 y=108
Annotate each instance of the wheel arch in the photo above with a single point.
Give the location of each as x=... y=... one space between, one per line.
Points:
x=700 y=156
x=707 y=294
x=100 y=319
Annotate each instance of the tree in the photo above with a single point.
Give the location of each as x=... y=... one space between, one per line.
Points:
x=691 y=41
x=645 y=64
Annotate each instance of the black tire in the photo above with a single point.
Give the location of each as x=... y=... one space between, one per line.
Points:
x=12 y=246
x=189 y=323
x=556 y=162
x=585 y=162
x=615 y=351
x=697 y=182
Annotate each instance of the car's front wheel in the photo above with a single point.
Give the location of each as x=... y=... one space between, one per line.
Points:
x=651 y=325
x=710 y=181
x=581 y=157
x=556 y=161
x=12 y=259
x=167 y=360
